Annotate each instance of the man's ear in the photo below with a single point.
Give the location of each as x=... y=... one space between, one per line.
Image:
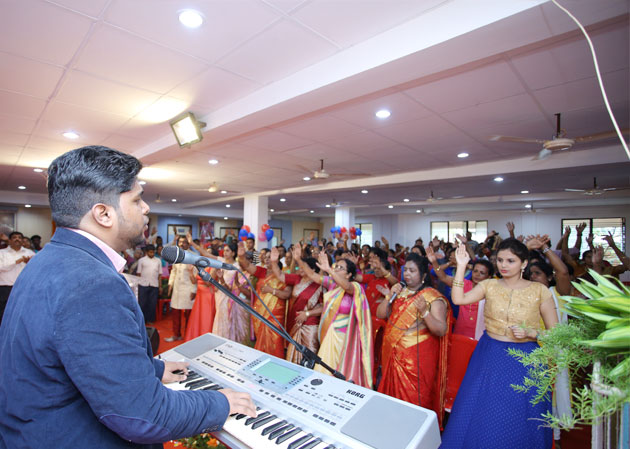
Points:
x=103 y=215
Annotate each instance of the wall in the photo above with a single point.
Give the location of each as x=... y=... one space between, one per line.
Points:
x=299 y=225
x=34 y=220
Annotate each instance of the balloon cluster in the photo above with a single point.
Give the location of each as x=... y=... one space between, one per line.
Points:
x=245 y=233
x=266 y=233
x=354 y=232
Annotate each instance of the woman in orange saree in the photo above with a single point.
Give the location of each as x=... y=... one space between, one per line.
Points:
x=274 y=294
x=202 y=315
x=416 y=340
x=345 y=329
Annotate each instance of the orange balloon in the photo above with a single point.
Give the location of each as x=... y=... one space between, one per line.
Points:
x=265 y=227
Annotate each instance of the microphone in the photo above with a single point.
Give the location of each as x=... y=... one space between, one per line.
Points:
x=403 y=284
x=174 y=254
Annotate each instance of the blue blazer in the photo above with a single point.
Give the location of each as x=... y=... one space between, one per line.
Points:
x=76 y=367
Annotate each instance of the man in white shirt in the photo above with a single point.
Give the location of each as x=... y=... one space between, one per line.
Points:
x=149 y=270
x=182 y=288
x=13 y=259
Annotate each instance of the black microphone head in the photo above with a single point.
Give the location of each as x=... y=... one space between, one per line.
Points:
x=172 y=254
x=403 y=284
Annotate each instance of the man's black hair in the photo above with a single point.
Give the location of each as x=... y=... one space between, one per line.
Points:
x=81 y=178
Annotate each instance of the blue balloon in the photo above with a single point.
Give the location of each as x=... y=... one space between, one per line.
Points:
x=250 y=235
x=242 y=233
x=358 y=232
x=269 y=234
x=332 y=230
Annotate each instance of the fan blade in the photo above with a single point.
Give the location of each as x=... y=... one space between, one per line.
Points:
x=542 y=155
x=349 y=174
x=305 y=170
x=599 y=136
x=514 y=139
x=575 y=190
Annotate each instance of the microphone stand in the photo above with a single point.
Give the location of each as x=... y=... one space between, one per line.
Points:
x=309 y=358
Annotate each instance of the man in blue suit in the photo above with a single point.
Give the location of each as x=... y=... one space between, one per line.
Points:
x=76 y=367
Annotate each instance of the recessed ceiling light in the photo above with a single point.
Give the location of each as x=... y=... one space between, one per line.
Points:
x=190 y=18
x=22 y=187
x=457 y=197
x=312 y=211
x=225 y=218
x=524 y=191
x=463 y=155
x=38 y=170
x=174 y=200
x=498 y=179
x=406 y=200
x=228 y=205
x=528 y=206
x=306 y=178
x=391 y=206
x=179 y=215
x=327 y=205
x=142 y=182
x=70 y=135
x=27 y=205
x=213 y=162
x=224 y=191
x=364 y=191
x=383 y=113
x=272 y=210
x=282 y=200
x=418 y=211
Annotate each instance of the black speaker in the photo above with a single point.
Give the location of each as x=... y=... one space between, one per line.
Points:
x=154 y=338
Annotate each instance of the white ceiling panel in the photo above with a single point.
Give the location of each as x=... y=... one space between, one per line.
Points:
x=39 y=30
x=66 y=117
x=14 y=139
x=226 y=23
x=482 y=85
x=322 y=128
x=363 y=143
x=92 y=7
x=519 y=107
x=402 y=109
x=286 y=5
x=142 y=64
x=214 y=88
x=274 y=141
x=27 y=76
x=586 y=12
x=122 y=143
x=347 y=22
x=16 y=124
x=96 y=93
x=22 y=106
x=278 y=52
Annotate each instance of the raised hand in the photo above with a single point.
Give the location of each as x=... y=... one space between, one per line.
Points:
x=353 y=258
x=189 y=238
x=297 y=252
x=431 y=256
x=589 y=240
x=461 y=238
x=609 y=239
x=461 y=256
x=580 y=228
x=536 y=242
x=274 y=255
x=510 y=226
x=240 y=250
x=567 y=232
x=322 y=262
x=598 y=255
x=383 y=290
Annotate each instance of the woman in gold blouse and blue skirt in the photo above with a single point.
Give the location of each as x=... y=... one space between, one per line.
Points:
x=488 y=412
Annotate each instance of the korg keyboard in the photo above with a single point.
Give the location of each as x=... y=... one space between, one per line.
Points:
x=299 y=408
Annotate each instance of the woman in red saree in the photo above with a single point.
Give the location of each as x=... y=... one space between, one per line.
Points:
x=345 y=329
x=274 y=294
x=305 y=307
x=416 y=340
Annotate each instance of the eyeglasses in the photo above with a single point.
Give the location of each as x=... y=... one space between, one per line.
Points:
x=338 y=267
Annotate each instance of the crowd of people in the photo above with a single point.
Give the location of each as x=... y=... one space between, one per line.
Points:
x=332 y=297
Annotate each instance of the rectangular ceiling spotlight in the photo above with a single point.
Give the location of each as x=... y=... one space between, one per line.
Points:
x=187 y=129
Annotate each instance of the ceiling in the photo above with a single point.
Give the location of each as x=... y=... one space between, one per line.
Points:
x=282 y=84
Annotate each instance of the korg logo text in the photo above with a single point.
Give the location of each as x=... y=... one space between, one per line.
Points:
x=355 y=393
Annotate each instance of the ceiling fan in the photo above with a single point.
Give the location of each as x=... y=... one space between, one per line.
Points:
x=212 y=188
x=559 y=142
x=158 y=199
x=432 y=198
x=596 y=190
x=323 y=174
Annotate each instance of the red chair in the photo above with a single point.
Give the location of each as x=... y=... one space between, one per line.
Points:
x=460 y=350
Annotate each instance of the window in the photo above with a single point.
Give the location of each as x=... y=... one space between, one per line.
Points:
x=366 y=233
x=447 y=230
x=599 y=227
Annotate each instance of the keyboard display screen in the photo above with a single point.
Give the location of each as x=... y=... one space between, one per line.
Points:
x=275 y=372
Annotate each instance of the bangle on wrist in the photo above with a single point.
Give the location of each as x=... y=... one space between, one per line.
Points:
x=437 y=268
x=457 y=283
x=544 y=251
x=307 y=314
x=426 y=313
